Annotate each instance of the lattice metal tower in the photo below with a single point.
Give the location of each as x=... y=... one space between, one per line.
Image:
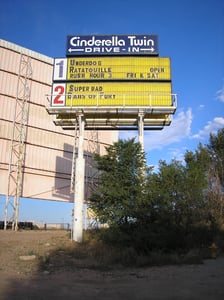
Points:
x=17 y=148
x=93 y=147
x=74 y=155
x=91 y=174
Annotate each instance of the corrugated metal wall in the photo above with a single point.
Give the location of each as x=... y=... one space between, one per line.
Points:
x=48 y=149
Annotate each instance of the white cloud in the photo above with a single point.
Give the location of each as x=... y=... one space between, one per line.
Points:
x=211 y=127
x=220 y=94
x=177 y=153
x=201 y=107
x=179 y=129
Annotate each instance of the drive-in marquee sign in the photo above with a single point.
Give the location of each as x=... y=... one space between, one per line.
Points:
x=112 y=68
x=112 y=45
x=106 y=73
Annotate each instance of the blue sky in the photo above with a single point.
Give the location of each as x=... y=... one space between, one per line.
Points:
x=191 y=32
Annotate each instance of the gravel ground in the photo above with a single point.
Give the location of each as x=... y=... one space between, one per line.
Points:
x=23 y=275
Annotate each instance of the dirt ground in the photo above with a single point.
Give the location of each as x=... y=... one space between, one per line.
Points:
x=23 y=274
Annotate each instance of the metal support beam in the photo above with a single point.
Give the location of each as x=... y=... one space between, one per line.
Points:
x=75 y=147
x=79 y=186
x=141 y=129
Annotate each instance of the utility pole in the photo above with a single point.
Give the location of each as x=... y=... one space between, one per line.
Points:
x=141 y=129
x=79 y=185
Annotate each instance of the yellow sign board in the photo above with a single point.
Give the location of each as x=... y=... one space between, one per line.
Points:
x=118 y=94
x=118 y=68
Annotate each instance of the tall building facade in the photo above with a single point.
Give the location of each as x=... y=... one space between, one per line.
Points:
x=36 y=157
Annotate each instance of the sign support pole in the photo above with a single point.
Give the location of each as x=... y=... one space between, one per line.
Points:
x=79 y=186
x=141 y=129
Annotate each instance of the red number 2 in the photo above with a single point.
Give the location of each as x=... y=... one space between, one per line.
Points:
x=59 y=98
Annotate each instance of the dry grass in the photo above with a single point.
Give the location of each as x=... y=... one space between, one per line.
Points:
x=54 y=251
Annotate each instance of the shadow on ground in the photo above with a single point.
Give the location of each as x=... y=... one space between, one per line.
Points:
x=204 y=281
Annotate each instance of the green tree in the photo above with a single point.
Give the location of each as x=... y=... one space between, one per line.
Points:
x=196 y=184
x=165 y=190
x=178 y=203
x=176 y=207
x=215 y=194
x=216 y=149
x=120 y=190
